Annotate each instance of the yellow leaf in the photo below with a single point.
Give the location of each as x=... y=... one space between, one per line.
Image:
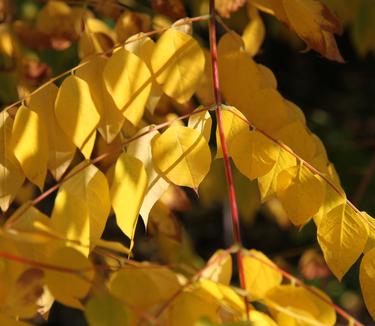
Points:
x=233 y=125
x=174 y=55
x=238 y=72
x=258 y=318
x=143 y=47
x=191 y=306
x=129 y=82
x=61 y=148
x=111 y=119
x=144 y=286
x=303 y=302
x=219 y=268
x=342 y=235
x=254 y=32
x=268 y=111
x=82 y=206
x=182 y=156
x=205 y=90
x=157 y=186
x=267 y=183
x=11 y=173
x=253 y=153
x=29 y=142
x=300 y=192
x=266 y=76
x=127 y=191
x=371 y=238
x=332 y=199
x=75 y=110
x=366 y=278
x=105 y=310
x=314 y=23
x=88 y=146
x=299 y=139
x=22 y=298
x=259 y=277
x=231 y=304
x=69 y=287
x=201 y=122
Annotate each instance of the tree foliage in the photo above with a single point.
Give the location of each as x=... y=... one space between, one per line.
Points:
x=97 y=136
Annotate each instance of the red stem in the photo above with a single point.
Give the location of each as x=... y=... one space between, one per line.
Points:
x=228 y=169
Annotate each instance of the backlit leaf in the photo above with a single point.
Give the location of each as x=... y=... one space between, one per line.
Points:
x=105 y=310
x=127 y=191
x=201 y=122
x=253 y=153
x=82 y=206
x=259 y=277
x=267 y=183
x=233 y=123
x=238 y=72
x=143 y=47
x=300 y=192
x=157 y=186
x=182 y=156
x=75 y=111
x=366 y=278
x=301 y=301
x=128 y=80
x=342 y=235
x=72 y=282
x=174 y=55
x=219 y=268
x=12 y=176
x=29 y=142
x=60 y=146
x=111 y=119
x=144 y=286
x=254 y=32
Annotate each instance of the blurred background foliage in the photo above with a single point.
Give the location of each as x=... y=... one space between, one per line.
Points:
x=41 y=39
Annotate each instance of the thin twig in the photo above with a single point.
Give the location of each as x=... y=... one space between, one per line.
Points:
x=228 y=169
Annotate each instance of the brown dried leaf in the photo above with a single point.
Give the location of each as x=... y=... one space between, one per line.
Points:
x=173 y=9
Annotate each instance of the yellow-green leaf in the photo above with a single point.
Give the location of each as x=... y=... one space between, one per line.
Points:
x=111 y=119
x=259 y=276
x=182 y=156
x=60 y=146
x=29 y=142
x=342 y=235
x=300 y=192
x=172 y=60
x=75 y=111
x=128 y=80
x=82 y=206
x=253 y=153
x=367 y=280
x=105 y=310
x=71 y=279
x=12 y=176
x=127 y=191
